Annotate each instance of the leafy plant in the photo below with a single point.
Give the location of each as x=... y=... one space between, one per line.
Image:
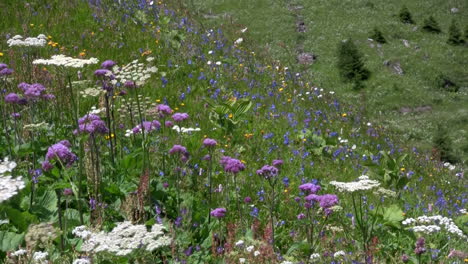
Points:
x=350 y=64
x=227 y=115
x=405 y=16
x=430 y=25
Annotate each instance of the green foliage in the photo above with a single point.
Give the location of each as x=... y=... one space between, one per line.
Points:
x=389 y=171
x=444 y=83
x=430 y=25
x=405 y=16
x=443 y=144
x=227 y=115
x=455 y=35
x=350 y=63
x=377 y=35
x=10 y=241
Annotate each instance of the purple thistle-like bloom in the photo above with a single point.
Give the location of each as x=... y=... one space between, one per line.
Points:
x=130 y=84
x=168 y=124
x=61 y=152
x=12 y=98
x=232 y=165
x=32 y=91
x=178 y=149
x=208 y=142
x=164 y=109
x=102 y=72
x=91 y=124
x=108 y=64
x=3 y=66
x=420 y=246
x=309 y=188
x=47 y=166
x=5 y=72
x=301 y=216
x=312 y=197
x=67 y=192
x=178 y=117
x=277 y=163
x=247 y=199
x=328 y=200
x=218 y=212
x=15 y=115
x=148 y=126
x=48 y=97
x=268 y=171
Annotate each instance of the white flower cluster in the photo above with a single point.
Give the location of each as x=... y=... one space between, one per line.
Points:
x=185 y=129
x=315 y=257
x=134 y=71
x=19 y=252
x=363 y=184
x=385 y=192
x=40 y=257
x=18 y=41
x=82 y=261
x=92 y=92
x=431 y=224
x=62 y=60
x=338 y=254
x=9 y=186
x=123 y=239
x=96 y=111
x=37 y=126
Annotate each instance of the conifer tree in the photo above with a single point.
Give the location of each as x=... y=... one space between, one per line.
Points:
x=455 y=35
x=431 y=25
x=405 y=16
x=378 y=36
x=350 y=64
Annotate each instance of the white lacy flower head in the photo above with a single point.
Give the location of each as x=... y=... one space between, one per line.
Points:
x=40 y=257
x=256 y=253
x=6 y=165
x=185 y=129
x=92 y=92
x=385 y=192
x=432 y=224
x=249 y=248
x=19 y=252
x=363 y=184
x=240 y=243
x=18 y=41
x=82 y=261
x=123 y=239
x=64 y=61
x=139 y=73
x=315 y=256
x=96 y=111
x=338 y=254
x=37 y=126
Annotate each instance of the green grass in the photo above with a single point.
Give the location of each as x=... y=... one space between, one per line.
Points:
x=272 y=26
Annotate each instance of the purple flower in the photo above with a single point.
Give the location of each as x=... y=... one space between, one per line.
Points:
x=312 y=197
x=5 y=72
x=218 y=212
x=300 y=216
x=232 y=165
x=405 y=258
x=91 y=124
x=60 y=152
x=208 y=142
x=12 y=98
x=67 y=192
x=148 y=126
x=309 y=188
x=130 y=84
x=47 y=166
x=32 y=91
x=164 y=109
x=15 y=115
x=168 y=124
x=420 y=249
x=277 y=163
x=178 y=117
x=48 y=97
x=108 y=64
x=3 y=66
x=328 y=200
x=102 y=72
x=268 y=171
x=247 y=199
x=178 y=149
x=206 y=157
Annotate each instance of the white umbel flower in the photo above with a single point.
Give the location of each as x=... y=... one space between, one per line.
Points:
x=7 y=166
x=433 y=224
x=64 y=61
x=81 y=261
x=40 y=257
x=363 y=184
x=18 y=41
x=9 y=186
x=19 y=252
x=338 y=254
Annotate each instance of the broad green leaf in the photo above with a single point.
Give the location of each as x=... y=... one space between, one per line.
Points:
x=10 y=241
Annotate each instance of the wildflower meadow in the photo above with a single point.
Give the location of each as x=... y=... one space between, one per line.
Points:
x=131 y=132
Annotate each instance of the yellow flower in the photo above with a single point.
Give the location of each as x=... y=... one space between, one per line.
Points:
x=32 y=25
x=177 y=108
x=230 y=115
x=402 y=169
x=280 y=90
x=49 y=37
x=289 y=100
x=1 y=54
x=344 y=115
x=111 y=136
x=82 y=54
x=243 y=161
x=182 y=104
x=158 y=101
x=305 y=139
x=241 y=65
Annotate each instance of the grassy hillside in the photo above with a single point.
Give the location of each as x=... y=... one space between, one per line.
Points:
x=167 y=138
x=412 y=104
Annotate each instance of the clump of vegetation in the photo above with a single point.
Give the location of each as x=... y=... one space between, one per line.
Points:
x=377 y=35
x=445 y=83
x=443 y=145
x=455 y=35
x=350 y=64
x=430 y=25
x=405 y=16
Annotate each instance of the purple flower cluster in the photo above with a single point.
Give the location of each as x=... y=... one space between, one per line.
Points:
x=108 y=64
x=164 y=109
x=309 y=188
x=218 y=212
x=268 y=171
x=178 y=149
x=325 y=201
x=59 y=152
x=232 y=165
x=148 y=126
x=102 y=73
x=12 y=98
x=91 y=124
x=178 y=117
x=208 y=142
x=420 y=246
x=31 y=92
x=4 y=70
